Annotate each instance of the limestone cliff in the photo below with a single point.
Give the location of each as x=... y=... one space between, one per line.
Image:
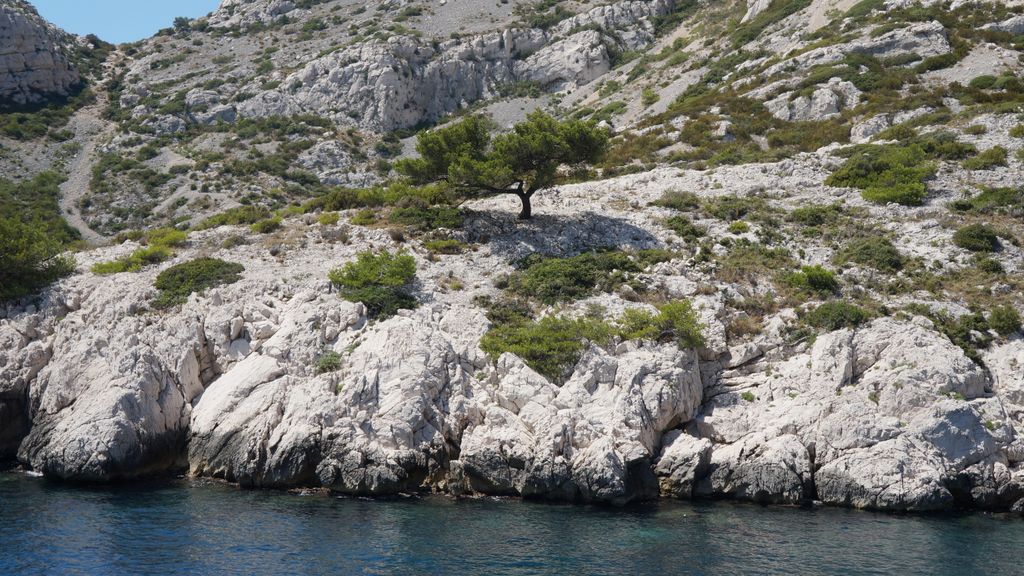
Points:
x=33 y=64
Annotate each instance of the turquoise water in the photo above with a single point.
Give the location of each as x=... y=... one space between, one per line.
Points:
x=196 y=528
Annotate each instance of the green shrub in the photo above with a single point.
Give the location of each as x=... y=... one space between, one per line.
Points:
x=746 y=261
x=328 y=362
x=445 y=246
x=365 y=217
x=1005 y=320
x=986 y=160
x=552 y=345
x=553 y=280
x=133 y=262
x=167 y=237
x=266 y=226
x=732 y=208
x=328 y=218
x=739 y=227
x=178 y=282
x=939 y=62
x=813 y=279
x=235 y=217
x=684 y=228
x=836 y=315
x=989 y=265
x=30 y=258
x=886 y=173
x=816 y=214
x=992 y=200
x=426 y=217
x=874 y=251
x=649 y=96
x=36 y=203
x=379 y=280
x=983 y=82
x=748 y=396
x=676 y=320
x=1017 y=131
x=976 y=238
x=682 y=201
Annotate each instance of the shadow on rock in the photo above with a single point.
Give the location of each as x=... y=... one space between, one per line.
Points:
x=554 y=235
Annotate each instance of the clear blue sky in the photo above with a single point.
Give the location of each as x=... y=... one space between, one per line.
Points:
x=120 y=20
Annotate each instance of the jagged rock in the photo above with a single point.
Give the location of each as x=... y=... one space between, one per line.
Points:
x=866 y=130
x=245 y=13
x=405 y=81
x=594 y=439
x=826 y=102
x=1013 y=25
x=33 y=65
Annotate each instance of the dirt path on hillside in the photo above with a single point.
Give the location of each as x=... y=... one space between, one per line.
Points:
x=90 y=129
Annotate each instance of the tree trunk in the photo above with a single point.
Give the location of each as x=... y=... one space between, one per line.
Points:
x=527 y=212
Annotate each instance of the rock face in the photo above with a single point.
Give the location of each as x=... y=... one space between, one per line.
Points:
x=405 y=81
x=824 y=103
x=244 y=13
x=33 y=67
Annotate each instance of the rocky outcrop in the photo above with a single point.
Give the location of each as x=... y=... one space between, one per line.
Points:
x=892 y=417
x=246 y=13
x=33 y=65
x=824 y=103
x=232 y=385
x=406 y=81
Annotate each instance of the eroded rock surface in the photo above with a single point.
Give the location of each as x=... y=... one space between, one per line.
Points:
x=33 y=66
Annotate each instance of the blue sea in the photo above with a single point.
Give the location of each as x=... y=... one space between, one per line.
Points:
x=203 y=528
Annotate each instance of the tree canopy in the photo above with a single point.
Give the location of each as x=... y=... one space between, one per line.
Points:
x=520 y=162
x=30 y=258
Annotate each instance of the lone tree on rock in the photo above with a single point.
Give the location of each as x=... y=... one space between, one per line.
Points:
x=521 y=162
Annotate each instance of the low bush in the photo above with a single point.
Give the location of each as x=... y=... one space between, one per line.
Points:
x=674 y=320
x=991 y=200
x=684 y=228
x=235 y=217
x=977 y=238
x=328 y=362
x=814 y=279
x=133 y=262
x=886 y=174
x=986 y=160
x=553 y=280
x=837 y=315
x=159 y=243
x=874 y=251
x=552 y=345
x=1005 y=320
x=178 y=282
x=380 y=280
x=445 y=246
x=682 y=201
x=739 y=227
x=328 y=218
x=426 y=217
x=266 y=226
x=816 y=214
x=746 y=261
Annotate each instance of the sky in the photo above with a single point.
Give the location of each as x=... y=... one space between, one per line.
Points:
x=120 y=21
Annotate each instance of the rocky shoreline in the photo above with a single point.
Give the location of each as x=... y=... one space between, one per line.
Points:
x=890 y=416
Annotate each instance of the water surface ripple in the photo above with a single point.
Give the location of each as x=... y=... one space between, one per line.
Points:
x=200 y=528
